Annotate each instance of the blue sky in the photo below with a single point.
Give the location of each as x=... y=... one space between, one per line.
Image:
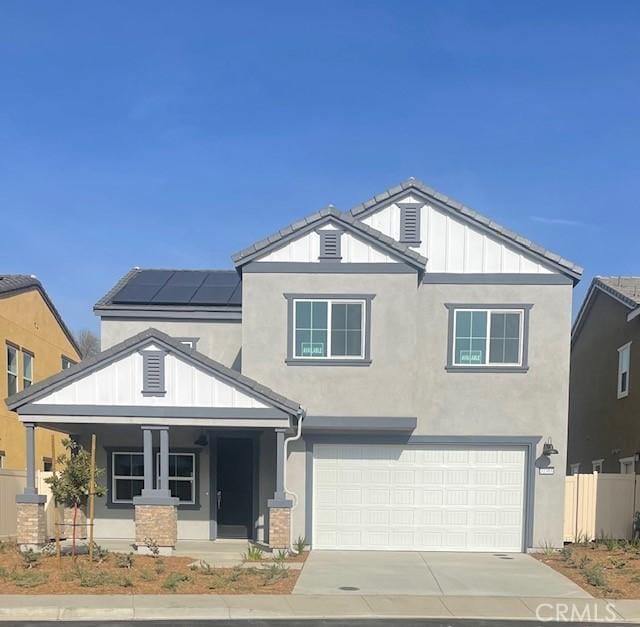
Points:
x=173 y=134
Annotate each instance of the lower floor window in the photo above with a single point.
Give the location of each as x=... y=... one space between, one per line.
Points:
x=127 y=476
x=127 y=471
x=181 y=476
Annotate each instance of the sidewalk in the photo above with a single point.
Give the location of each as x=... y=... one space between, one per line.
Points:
x=185 y=606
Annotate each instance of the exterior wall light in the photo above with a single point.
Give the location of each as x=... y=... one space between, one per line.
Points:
x=548 y=449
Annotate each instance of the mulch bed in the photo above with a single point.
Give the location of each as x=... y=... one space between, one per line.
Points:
x=143 y=575
x=603 y=569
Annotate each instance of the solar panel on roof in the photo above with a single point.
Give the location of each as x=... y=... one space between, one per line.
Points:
x=182 y=287
x=136 y=294
x=212 y=295
x=174 y=295
x=186 y=278
x=222 y=278
x=151 y=277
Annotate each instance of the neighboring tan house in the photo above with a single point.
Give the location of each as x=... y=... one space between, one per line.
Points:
x=604 y=410
x=395 y=377
x=36 y=344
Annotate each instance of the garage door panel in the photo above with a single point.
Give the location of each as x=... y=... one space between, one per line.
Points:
x=390 y=497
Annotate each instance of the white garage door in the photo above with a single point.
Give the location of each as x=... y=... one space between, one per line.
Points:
x=423 y=497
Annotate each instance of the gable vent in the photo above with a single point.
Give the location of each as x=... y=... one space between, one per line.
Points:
x=153 y=373
x=330 y=244
x=410 y=223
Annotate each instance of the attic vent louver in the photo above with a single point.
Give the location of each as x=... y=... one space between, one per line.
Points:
x=153 y=373
x=330 y=245
x=410 y=222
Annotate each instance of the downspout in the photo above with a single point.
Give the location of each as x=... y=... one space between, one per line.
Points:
x=295 y=498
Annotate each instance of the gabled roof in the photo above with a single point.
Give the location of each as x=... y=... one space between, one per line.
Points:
x=624 y=289
x=57 y=381
x=159 y=287
x=326 y=215
x=469 y=215
x=11 y=284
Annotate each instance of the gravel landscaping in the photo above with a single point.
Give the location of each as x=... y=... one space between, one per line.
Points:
x=604 y=568
x=126 y=573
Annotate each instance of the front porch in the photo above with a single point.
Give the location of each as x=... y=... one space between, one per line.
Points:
x=191 y=449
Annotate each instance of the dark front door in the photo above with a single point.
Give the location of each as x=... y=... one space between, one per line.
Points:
x=235 y=487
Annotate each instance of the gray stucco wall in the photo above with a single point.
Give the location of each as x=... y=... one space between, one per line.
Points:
x=219 y=340
x=407 y=376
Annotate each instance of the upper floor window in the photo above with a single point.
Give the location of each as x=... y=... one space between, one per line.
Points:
x=27 y=369
x=624 y=364
x=597 y=465
x=491 y=337
x=329 y=329
x=12 y=370
x=66 y=362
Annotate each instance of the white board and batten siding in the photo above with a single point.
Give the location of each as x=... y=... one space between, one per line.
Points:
x=418 y=497
x=306 y=249
x=452 y=245
x=120 y=383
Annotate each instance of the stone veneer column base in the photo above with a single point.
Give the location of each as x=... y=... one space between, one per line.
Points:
x=280 y=524
x=32 y=523
x=158 y=523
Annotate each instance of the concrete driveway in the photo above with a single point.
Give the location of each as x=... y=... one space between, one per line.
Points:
x=434 y=574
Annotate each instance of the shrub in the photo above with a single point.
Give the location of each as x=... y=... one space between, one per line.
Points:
x=300 y=544
x=548 y=549
x=30 y=558
x=274 y=573
x=147 y=575
x=595 y=576
x=93 y=578
x=124 y=560
x=100 y=554
x=28 y=579
x=253 y=554
x=582 y=562
x=4 y=573
x=152 y=547
x=123 y=581
x=566 y=552
x=174 y=580
x=280 y=556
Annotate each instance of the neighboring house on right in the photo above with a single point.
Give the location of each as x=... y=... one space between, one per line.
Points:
x=604 y=393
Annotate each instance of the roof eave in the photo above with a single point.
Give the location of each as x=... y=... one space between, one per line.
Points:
x=471 y=216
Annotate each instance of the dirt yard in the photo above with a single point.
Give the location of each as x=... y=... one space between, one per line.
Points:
x=604 y=568
x=121 y=573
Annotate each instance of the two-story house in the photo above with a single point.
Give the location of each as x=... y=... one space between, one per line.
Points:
x=392 y=377
x=36 y=344
x=604 y=435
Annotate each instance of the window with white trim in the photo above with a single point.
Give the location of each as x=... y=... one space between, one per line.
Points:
x=12 y=369
x=27 y=369
x=182 y=476
x=487 y=337
x=627 y=465
x=329 y=328
x=596 y=465
x=624 y=364
x=127 y=476
x=574 y=469
x=2 y=459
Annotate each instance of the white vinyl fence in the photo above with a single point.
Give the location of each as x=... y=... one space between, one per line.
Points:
x=12 y=483
x=600 y=506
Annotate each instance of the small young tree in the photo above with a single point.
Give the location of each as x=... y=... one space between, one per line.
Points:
x=71 y=486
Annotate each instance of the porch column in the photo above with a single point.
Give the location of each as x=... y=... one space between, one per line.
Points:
x=31 y=524
x=164 y=461
x=156 y=511
x=279 y=505
x=147 y=440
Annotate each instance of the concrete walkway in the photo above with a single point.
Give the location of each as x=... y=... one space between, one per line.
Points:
x=194 y=607
x=432 y=574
